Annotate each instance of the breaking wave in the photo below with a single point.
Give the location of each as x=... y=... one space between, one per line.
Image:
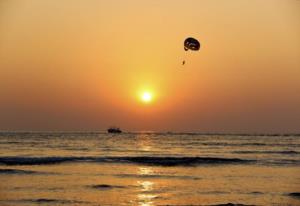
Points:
x=143 y=160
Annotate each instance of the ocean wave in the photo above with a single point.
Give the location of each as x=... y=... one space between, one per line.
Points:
x=178 y=161
x=45 y=201
x=15 y=171
x=143 y=160
x=155 y=176
x=225 y=204
x=106 y=186
x=231 y=204
x=266 y=152
x=294 y=194
x=53 y=201
x=233 y=144
x=258 y=144
x=36 y=160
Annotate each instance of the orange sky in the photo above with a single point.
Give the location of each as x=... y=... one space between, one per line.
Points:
x=78 y=65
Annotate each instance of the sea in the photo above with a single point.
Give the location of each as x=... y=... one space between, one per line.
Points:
x=148 y=169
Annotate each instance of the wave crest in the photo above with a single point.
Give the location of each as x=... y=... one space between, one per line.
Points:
x=145 y=160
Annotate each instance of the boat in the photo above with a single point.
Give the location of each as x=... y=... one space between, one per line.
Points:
x=114 y=130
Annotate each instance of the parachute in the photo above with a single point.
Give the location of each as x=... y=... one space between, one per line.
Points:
x=191 y=44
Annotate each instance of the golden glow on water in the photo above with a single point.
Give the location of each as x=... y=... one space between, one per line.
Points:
x=145 y=196
x=145 y=171
x=75 y=185
x=144 y=185
x=144 y=143
x=146 y=199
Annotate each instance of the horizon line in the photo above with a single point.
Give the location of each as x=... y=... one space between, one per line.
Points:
x=160 y=132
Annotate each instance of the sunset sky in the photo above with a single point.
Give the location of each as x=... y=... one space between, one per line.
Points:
x=85 y=65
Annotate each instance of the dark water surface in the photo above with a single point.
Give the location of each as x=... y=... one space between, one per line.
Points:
x=148 y=169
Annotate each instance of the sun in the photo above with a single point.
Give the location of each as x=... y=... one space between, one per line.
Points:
x=146 y=97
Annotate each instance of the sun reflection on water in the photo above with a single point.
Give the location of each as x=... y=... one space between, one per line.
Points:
x=144 y=143
x=146 y=185
x=145 y=171
x=146 y=195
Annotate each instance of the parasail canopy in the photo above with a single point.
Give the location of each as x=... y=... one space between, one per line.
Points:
x=191 y=44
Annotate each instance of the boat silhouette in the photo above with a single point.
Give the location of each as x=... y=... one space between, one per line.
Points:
x=114 y=130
